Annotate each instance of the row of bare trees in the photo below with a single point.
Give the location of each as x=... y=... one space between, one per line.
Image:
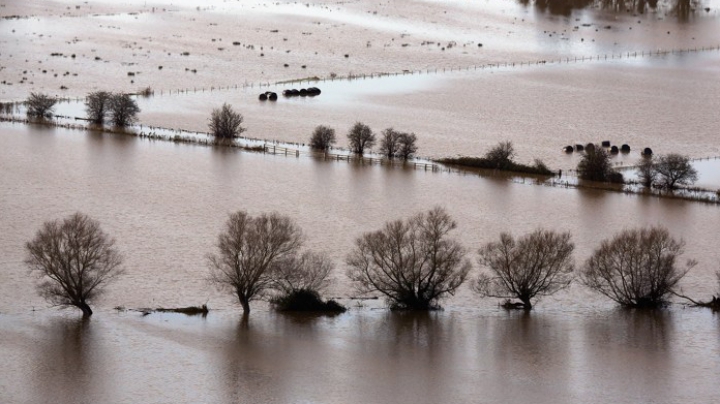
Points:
x=120 y=108
x=226 y=123
x=393 y=143
x=412 y=263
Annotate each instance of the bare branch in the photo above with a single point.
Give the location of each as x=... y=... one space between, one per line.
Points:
x=248 y=250
x=412 y=263
x=74 y=260
x=637 y=268
x=538 y=264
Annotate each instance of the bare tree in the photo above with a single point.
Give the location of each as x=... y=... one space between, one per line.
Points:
x=673 y=170
x=308 y=271
x=248 y=249
x=538 y=264
x=97 y=105
x=389 y=142
x=123 y=110
x=360 y=137
x=412 y=263
x=646 y=172
x=74 y=259
x=225 y=123
x=637 y=268
x=595 y=166
x=501 y=156
x=40 y=105
x=323 y=138
x=408 y=146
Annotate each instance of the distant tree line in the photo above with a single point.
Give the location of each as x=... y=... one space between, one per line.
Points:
x=665 y=172
x=413 y=263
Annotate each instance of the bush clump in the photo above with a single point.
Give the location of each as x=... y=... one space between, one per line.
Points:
x=596 y=166
x=40 y=106
x=306 y=300
x=637 y=268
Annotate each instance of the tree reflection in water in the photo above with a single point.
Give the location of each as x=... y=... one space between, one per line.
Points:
x=67 y=362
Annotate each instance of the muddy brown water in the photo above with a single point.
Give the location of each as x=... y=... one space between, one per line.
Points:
x=165 y=204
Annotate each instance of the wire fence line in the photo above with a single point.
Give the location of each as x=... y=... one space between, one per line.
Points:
x=494 y=65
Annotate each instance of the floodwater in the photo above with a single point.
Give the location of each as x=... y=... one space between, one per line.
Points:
x=165 y=203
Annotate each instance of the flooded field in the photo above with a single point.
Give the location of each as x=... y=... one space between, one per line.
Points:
x=463 y=76
x=165 y=204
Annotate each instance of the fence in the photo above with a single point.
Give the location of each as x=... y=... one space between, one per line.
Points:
x=494 y=65
x=415 y=164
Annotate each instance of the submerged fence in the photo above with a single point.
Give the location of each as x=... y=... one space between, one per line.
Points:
x=438 y=70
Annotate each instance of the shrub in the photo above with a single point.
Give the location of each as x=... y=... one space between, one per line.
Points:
x=595 y=166
x=306 y=300
x=225 y=123
x=408 y=146
x=646 y=171
x=538 y=264
x=389 y=142
x=500 y=156
x=413 y=263
x=40 y=105
x=123 y=110
x=323 y=138
x=673 y=170
x=636 y=268
x=360 y=137
x=97 y=105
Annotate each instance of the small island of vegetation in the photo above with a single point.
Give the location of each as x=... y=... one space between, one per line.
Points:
x=499 y=157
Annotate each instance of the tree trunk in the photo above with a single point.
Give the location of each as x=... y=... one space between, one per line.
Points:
x=87 y=311
x=245 y=306
x=526 y=303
